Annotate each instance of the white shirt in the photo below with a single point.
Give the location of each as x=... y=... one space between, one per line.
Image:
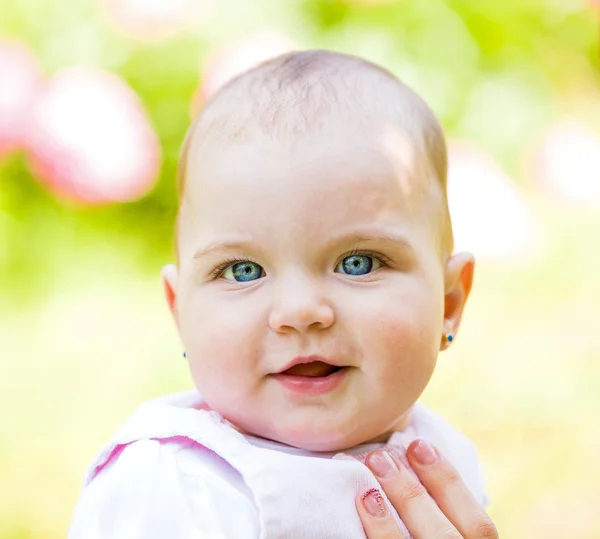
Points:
x=176 y=469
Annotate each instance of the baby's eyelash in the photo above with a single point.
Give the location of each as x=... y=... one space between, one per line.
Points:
x=215 y=273
x=381 y=257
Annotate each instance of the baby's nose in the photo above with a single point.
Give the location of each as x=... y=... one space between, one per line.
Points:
x=301 y=305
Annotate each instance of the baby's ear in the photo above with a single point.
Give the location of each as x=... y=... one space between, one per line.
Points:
x=458 y=279
x=169 y=275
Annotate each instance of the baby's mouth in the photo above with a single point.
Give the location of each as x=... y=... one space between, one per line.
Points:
x=313 y=369
x=311 y=376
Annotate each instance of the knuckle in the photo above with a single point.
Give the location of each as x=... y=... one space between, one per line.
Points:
x=411 y=492
x=448 y=532
x=447 y=475
x=485 y=529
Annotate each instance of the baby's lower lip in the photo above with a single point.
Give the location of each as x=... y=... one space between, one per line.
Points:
x=312 y=385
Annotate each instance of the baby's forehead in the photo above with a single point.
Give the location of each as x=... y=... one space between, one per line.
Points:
x=361 y=147
x=311 y=183
x=345 y=155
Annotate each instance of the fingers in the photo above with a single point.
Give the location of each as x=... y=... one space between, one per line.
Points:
x=376 y=517
x=450 y=492
x=433 y=504
x=416 y=507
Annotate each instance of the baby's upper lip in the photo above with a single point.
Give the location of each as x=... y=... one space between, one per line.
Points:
x=309 y=359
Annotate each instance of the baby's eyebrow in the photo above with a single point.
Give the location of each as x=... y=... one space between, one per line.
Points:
x=377 y=236
x=354 y=238
x=222 y=245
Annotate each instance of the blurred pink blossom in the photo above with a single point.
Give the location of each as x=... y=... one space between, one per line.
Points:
x=154 y=20
x=90 y=139
x=490 y=216
x=566 y=163
x=21 y=81
x=231 y=60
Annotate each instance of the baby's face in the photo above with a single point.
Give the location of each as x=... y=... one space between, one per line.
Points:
x=328 y=253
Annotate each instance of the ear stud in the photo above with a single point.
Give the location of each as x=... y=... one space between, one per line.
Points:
x=449 y=337
x=184 y=354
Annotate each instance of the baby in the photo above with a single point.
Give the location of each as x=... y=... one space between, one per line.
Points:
x=315 y=285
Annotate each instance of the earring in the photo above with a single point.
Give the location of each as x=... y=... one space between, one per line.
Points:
x=184 y=355
x=448 y=337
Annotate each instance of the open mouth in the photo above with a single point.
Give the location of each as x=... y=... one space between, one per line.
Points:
x=314 y=369
x=312 y=378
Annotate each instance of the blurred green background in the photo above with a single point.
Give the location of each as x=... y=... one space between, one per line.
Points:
x=85 y=335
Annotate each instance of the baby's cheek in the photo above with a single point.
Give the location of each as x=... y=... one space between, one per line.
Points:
x=223 y=347
x=402 y=339
x=399 y=323
x=419 y=308
x=210 y=323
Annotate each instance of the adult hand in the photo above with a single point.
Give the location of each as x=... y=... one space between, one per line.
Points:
x=436 y=505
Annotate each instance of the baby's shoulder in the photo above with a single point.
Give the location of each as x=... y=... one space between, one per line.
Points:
x=174 y=429
x=156 y=475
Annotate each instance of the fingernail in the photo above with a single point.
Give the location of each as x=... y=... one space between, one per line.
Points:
x=381 y=464
x=424 y=453
x=374 y=503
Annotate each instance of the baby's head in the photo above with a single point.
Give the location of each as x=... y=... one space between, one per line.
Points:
x=313 y=227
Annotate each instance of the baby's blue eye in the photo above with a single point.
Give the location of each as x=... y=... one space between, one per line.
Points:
x=357 y=264
x=244 y=271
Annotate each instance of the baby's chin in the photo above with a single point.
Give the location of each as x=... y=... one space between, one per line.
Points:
x=317 y=440
x=316 y=431
x=309 y=440
x=333 y=436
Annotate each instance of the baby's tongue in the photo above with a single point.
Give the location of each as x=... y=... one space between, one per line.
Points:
x=315 y=368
